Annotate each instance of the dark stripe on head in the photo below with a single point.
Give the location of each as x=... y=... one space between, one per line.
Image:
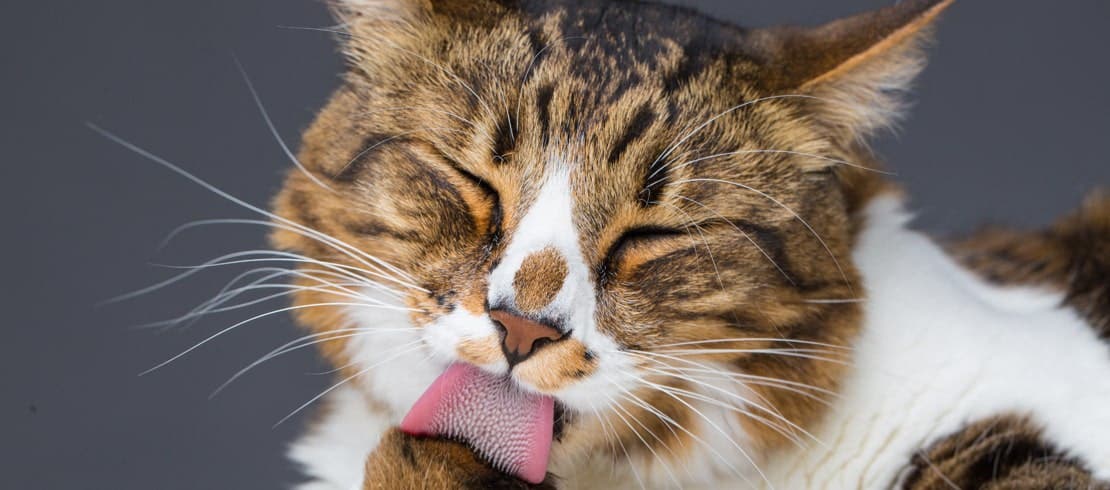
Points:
x=504 y=140
x=543 y=107
x=695 y=61
x=372 y=144
x=636 y=127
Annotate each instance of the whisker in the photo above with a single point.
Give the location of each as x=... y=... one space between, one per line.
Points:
x=273 y=129
x=617 y=410
x=799 y=353
x=628 y=395
x=219 y=192
x=290 y=289
x=402 y=134
x=726 y=112
x=715 y=427
x=257 y=317
x=704 y=240
x=281 y=256
x=746 y=236
x=751 y=379
x=223 y=261
x=297 y=345
x=752 y=339
x=751 y=152
x=744 y=402
x=843 y=274
x=345 y=381
x=627 y=455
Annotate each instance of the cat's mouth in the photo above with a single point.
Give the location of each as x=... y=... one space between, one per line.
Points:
x=511 y=428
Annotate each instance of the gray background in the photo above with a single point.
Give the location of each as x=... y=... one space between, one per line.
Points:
x=1012 y=122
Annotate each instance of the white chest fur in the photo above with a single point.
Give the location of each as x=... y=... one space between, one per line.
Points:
x=941 y=348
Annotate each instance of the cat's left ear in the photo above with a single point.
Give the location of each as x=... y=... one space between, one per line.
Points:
x=857 y=68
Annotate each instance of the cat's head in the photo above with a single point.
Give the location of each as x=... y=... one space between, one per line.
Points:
x=644 y=212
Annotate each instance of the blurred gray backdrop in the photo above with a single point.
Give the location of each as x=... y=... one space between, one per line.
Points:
x=1011 y=126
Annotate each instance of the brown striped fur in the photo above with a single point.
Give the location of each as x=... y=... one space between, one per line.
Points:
x=1071 y=256
x=451 y=110
x=1006 y=452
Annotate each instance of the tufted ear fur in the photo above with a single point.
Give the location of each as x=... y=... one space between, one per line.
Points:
x=857 y=68
x=372 y=26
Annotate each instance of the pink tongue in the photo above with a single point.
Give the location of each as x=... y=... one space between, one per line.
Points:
x=509 y=427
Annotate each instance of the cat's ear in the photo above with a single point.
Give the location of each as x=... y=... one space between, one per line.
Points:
x=359 y=15
x=371 y=26
x=364 y=13
x=856 y=68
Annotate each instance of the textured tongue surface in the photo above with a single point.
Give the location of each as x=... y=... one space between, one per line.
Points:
x=510 y=428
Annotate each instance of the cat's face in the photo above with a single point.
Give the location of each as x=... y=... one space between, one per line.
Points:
x=648 y=189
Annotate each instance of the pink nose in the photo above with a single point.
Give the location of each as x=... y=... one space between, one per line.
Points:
x=523 y=337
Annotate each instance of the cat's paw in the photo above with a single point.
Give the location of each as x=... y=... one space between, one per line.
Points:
x=403 y=461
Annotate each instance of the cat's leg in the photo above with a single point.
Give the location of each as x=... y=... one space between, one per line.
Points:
x=333 y=452
x=1004 y=452
x=401 y=461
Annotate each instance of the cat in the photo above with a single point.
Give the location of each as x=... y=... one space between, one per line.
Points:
x=666 y=241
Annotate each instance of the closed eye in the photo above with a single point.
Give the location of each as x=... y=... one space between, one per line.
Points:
x=494 y=227
x=632 y=238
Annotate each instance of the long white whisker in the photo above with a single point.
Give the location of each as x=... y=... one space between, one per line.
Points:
x=730 y=110
x=257 y=317
x=387 y=140
x=797 y=216
x=376 y=272
x=663 y=389
x=751 y=339
x=666 y=467
x=300 y=343
x=744 y=402
x=652 y=357
x=273 y=129
x=223 y=261
x=751 y=152
x=278 y=256
x=345 y=381
x=219 y=192
x=746 y=236
x=288 y=289
x=628 y=395
x=801 y=353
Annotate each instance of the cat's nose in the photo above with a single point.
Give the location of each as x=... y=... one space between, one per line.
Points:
x=522 y=337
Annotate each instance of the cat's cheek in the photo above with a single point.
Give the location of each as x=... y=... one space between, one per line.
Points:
x=464 y=336
x=556 y=367
x=584 y=377
x=484 y=351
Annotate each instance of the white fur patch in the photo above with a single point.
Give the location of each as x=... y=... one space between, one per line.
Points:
x=335 y=450
x=939 y=349
x=549 y=222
